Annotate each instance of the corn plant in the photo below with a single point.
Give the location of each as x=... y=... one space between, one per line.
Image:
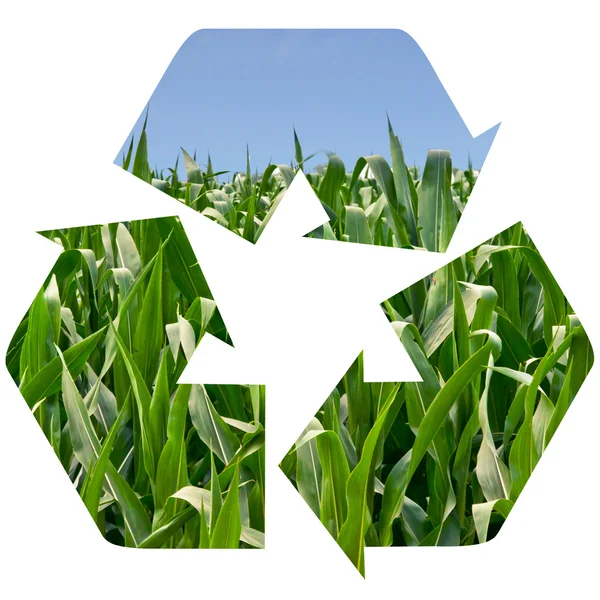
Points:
x=97 y=359
x=376 y=203
x=441 y=463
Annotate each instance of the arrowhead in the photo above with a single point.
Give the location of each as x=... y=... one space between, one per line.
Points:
x=214 y=361
x=299 y=212
x=384 y=357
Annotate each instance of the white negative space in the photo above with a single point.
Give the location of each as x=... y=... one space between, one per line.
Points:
x=300 y=310
x=79 y=77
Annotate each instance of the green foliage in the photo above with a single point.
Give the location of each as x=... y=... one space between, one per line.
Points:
x=441 y=462
x=97 y=358
x=375 y=203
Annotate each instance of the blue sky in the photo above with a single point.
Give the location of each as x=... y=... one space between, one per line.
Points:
x=228 y=88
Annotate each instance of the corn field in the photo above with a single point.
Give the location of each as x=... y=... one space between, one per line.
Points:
x=377 y=203
x=500 y=351
x=441 y=463
x=97 y=359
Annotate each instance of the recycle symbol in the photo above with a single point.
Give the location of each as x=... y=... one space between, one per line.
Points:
x=429 y=384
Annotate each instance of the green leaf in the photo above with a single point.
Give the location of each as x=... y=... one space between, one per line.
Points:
x=438 y=330
x=228 y=527
x=308 y=468
x=200 y=499
x=148 y=337
x=298 y=151
x=357 y=226
x=506 y=285
x=402 y=185
x=171 y=472
x=514 y=345
x=38 y=349
x=192 y=170
x=523 y=456
x=335 y=472
x=160 y=536
x=94 y=480
x=445 y=398
x=48 y=380
x=216 y=500
x=515 y=414
x=127 y=158
x=204 y=532
x=52 y=297
x=141 y=166
x=211 y=428
x=329 y=189
x=181 y=260
x=249 y=230
x=437 y=213
x=158 y=413
x=492 y=474
x=393 y=498
x=540 y=421
x=352 y=535
x=554 y=300
x=86 y=448
x=461 y=468
x=128 y=255
x=143 y=401
x=482 y=513
x=414 y=523
x=439 y=294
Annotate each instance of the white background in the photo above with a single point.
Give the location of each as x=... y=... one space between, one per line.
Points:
x=76 y=76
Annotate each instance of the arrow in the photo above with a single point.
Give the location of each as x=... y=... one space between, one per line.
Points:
x=289 y=302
